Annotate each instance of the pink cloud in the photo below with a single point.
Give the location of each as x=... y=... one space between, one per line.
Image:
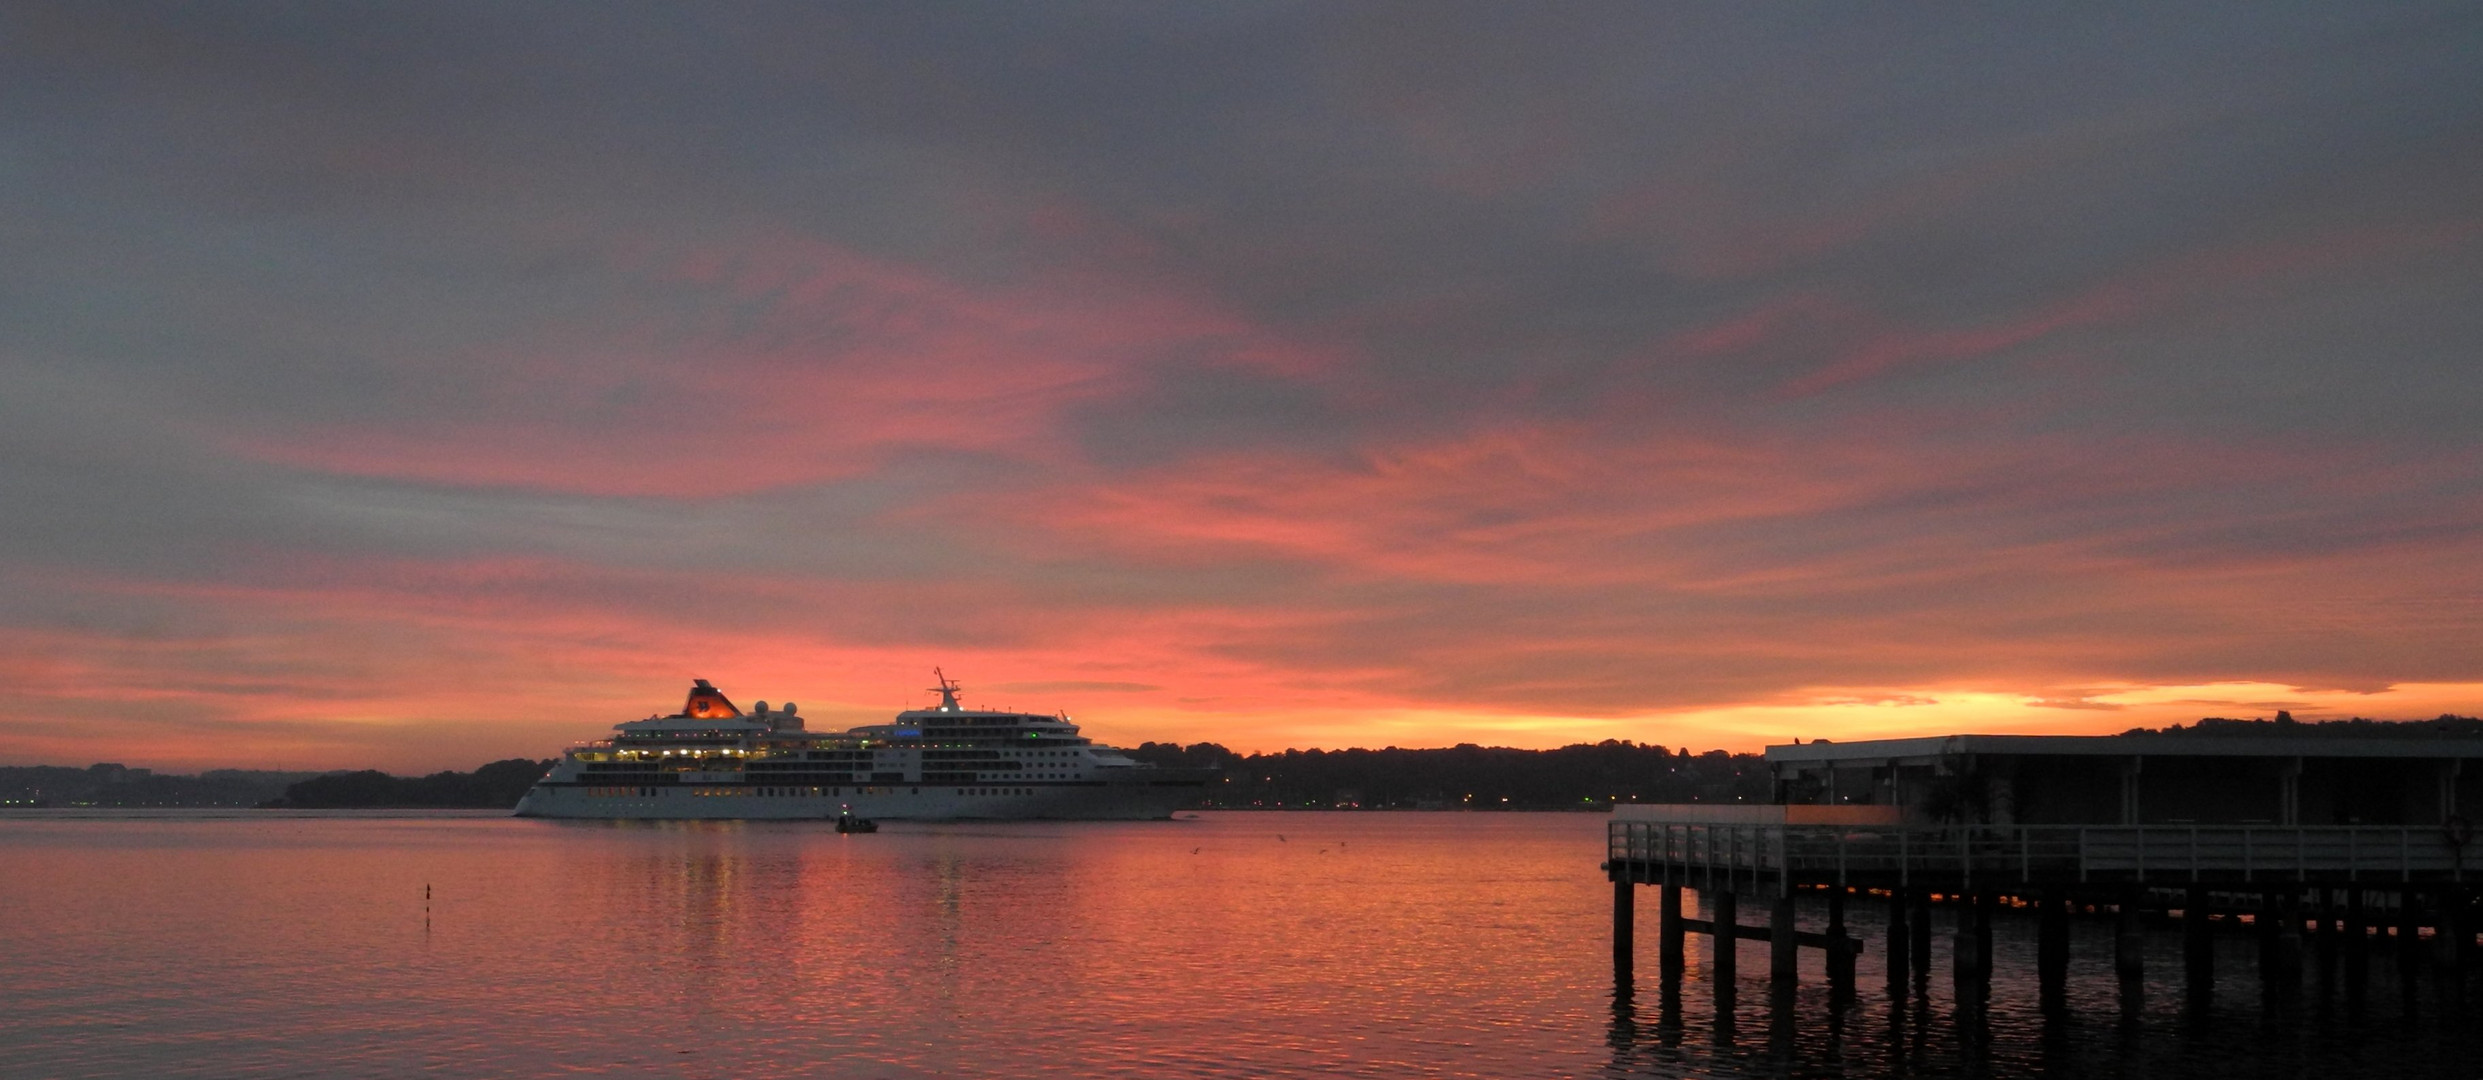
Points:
x=1865 y=346
x=807 y=364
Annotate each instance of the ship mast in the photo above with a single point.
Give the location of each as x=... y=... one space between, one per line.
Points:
x=947 y=690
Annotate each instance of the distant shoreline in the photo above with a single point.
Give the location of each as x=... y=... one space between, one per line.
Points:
x=1585 y=777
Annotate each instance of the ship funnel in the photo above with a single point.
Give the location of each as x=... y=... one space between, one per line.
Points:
x=708 y=703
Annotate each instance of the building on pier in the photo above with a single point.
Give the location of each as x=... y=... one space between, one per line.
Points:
x=2140 y=779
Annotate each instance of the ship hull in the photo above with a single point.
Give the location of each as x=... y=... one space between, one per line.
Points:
x=1152 y=798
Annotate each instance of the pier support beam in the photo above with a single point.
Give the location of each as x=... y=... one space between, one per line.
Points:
x=2052 y=946
x=2453 y=932
x=2281 y=964
x=2198 y=942
x=1986 y=912
x=2323 y=916
x=1920 y=900
x=1782 y=966
x=1966 y=949
x=1624 y=926
x=1724 y=918
x=2409 y=934
x=2355 y=939
x=2129 y=939
x=1671 y=952
x=1840 y=959
x=1900 y=941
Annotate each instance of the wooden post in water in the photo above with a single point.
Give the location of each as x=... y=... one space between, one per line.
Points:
x=1920 y=900
x=2357 y=928
x=1840 y=958
x=1965 y=957
x=2356 y=937
x=2052 y=946
x=1900 y=944
x=1624 y=925
x=1986 y=907
x=2451 y=930
x=2129 y=940
x=2409 y=934
x=1671 y=955
x=1783 y=967
x=2464 y=918
x=2284 y=956
x=1723 y=920
x=2198 y=942
x=2323 y=915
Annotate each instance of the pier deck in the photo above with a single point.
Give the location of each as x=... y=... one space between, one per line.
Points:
x=1760 y=856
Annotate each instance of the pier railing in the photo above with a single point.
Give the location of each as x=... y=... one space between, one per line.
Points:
x=1965 y=856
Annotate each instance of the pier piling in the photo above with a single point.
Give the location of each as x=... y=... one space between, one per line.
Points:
x=2052 y=946
x=1920 y=899
x=1721 y=922
x=2198 y=942
x=1624 y=928
x=2409 y=934
x=2451 y=930
x=2129 y=941
x=2356 y=941
x=1900 y=946
x=2323 y=915
x=1781 y=964
x=1840 y=958
x=1965 y=950
x=2283 y=959
x=1671 y=955
x=1986 y=910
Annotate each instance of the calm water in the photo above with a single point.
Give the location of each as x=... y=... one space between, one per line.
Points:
x=1232 y=945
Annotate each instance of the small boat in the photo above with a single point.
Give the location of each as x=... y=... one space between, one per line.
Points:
x=847 y=823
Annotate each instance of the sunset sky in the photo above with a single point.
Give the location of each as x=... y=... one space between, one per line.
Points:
x=412 y=385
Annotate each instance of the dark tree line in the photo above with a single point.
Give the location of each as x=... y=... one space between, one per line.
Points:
x=495 y=786
x=2444 y=726
x=1598 y=774
x=1469 y=776
x=115 y=785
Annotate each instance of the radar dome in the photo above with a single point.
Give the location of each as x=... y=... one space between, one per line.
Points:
x=789 y=708
x=759 y=707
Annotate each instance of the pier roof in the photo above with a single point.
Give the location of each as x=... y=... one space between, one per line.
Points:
x=1879 y=751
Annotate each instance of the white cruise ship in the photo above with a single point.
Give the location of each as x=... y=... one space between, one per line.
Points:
x=711 y=760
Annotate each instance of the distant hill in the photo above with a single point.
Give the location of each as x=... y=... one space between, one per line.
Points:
x=109 y=784
x=498 y=785
x=2444 y=726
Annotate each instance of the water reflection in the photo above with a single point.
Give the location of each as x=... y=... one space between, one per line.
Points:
x=1391 y=945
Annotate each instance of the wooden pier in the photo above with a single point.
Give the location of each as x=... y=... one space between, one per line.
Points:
x=2330 y=891
x=2291 y=881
